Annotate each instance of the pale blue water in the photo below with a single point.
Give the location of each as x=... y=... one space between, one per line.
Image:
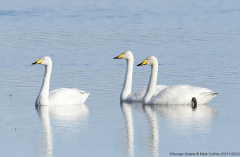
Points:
x=196 y=43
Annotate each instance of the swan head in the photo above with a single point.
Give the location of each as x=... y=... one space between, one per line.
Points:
x=44 y=61
x=125 y=55
x=194 y=103
x=151 y=60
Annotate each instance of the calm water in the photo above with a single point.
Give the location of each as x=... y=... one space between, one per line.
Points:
x=196 y=43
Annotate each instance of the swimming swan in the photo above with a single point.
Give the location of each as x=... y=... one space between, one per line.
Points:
x=178 y=94
x=127 y=86
x=61 y=96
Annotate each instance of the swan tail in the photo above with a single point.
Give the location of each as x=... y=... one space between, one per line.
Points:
x=203 y=98
x=84 y=96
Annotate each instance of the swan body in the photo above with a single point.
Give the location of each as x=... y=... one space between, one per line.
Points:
x=126 y=94
x=182 y=94
x=178 y=94
x=138 y=95
x=61 y=96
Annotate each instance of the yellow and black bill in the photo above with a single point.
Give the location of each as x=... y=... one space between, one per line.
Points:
x=119 y=57
x=38 y=62
x=143 y=63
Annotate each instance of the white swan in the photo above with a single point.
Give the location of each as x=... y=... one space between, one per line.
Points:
x=61 y=96
x=178 y=94
x=127 y=86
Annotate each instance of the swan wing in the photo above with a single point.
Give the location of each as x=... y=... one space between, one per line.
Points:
x=138 y=95
x=159 y=88
x=182 y=94
x=67 y=96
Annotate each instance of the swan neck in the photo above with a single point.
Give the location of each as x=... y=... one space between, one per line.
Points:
x=127 y=86
x=44 y=92
x=152 y=84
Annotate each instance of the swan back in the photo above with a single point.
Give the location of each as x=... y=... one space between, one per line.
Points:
x=66 y=96
x=138 y=95
x=182 y=94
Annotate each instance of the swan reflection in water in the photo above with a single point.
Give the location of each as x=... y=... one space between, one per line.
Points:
x=151 y=116
x=178 y=115
x=65 y=115
x=184 y=117
x=152 y=119
x=127 y=111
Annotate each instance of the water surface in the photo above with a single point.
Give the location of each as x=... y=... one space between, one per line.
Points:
x=196 y=43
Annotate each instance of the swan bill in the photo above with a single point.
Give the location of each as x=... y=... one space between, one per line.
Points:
x=38 y=62
x=143 y=63
x=119 y=57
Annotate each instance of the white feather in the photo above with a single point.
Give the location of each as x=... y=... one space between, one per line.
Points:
x=182 y=94
x=178 y=94
x=126 y=94
x=138 y=95
x=61 y=96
